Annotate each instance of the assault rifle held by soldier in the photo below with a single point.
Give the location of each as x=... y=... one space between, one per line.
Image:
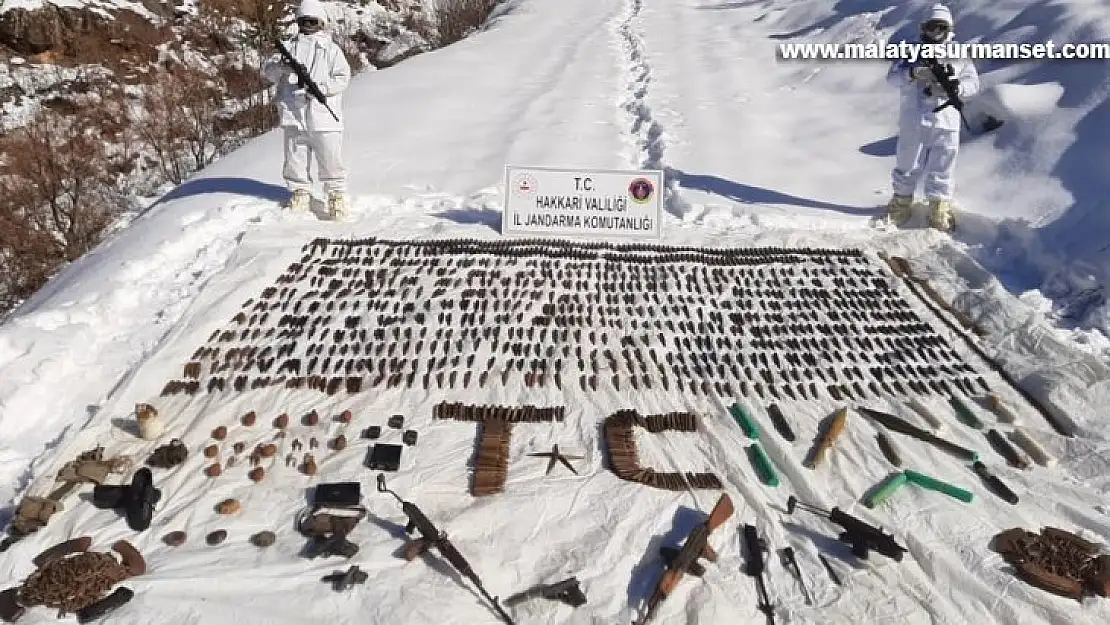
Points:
x=304 y=77
x=430 y=537
x=864 y=538
x=945 y=76
x=685 y=560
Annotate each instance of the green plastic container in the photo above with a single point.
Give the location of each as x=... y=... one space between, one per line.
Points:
x=745 y=420
x=895 y=482
x=763 y=465
x=931 y=483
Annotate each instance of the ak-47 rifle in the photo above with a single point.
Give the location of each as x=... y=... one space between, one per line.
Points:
x=756 y=566
x=431 y=537
x=685 y=560
x=566 y=591
x=304 y=78
x=863 y=537
x=945 y=76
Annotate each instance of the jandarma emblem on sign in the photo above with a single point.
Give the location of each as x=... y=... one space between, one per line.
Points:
x=641 y=190
x=525 y=184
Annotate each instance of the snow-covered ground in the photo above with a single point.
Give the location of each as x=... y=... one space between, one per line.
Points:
x=758 y=153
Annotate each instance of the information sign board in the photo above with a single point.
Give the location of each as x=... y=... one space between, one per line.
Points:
x=582 y=202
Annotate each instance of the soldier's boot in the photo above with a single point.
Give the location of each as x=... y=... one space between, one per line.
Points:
x=337 y=206
x=941 y=216
x=300 y=202
x=898 y=210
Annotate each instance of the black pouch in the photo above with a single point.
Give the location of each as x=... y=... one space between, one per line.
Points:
x=144 y=496
x=338 y=494
x=384 y=457
x=10 y=610
x=97 y=609
x=107 y=497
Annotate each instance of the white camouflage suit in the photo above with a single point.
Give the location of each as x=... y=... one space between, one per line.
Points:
x=929 y=142
x=310 y=130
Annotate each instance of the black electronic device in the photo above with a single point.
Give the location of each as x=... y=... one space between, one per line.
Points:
x=342 y=494
x=385 y=457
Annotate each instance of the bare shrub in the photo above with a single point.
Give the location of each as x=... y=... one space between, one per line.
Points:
x=57 y=196
x=244 y=30
x=456 y=19
x=263 y=27
x=180 y=126
x=28 y=257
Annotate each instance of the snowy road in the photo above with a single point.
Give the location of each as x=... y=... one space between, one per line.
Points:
x=739 y=125
x=549 y=102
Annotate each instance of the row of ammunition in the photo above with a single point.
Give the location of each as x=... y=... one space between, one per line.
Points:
x=677 y=481
x=583 y=288
x=518 y=414
x=797 y=349
x=491 y=467
x=928 y=348
x=768 y=324
x=624 y=459
x=779 y=389
x=804 y=291
x=753 y=307
x=700 y=365
x=330 y=385
x=712 y=320
x=482 y=264
x=388 y=246
x=635 y=288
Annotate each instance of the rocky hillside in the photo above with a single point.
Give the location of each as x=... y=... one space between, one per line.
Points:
x=107 y=103
x=50 y=49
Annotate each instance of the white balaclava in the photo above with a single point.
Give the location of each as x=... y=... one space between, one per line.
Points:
x=939 y=13
x=312 y=8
